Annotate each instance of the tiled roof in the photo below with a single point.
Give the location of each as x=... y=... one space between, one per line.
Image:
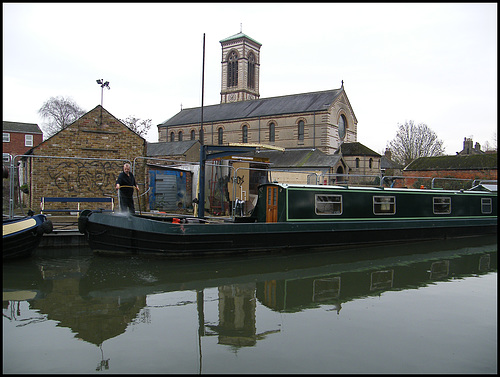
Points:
x=457 y=162
x=290 y=104
x=356 y=149
x=31 y=128
x=169 y=148
x=297 y=158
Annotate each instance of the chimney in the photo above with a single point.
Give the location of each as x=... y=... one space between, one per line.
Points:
x=388 y=153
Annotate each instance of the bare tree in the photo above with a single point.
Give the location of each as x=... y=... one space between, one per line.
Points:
x=413 y=141
x=59 y=112
x=491 y=147
x=140 y=127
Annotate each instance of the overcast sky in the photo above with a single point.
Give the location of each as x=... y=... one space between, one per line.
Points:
x=430 y=63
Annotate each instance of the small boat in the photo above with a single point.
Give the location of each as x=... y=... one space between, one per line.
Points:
x=21 y=236
x=301 y=217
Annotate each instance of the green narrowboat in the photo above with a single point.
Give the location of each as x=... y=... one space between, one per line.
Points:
x=290 y=216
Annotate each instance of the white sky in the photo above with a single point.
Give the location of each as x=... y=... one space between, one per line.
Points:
x=430 y=63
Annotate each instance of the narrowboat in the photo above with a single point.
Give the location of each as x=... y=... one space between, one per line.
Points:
x=21 y=236
x=289 y=216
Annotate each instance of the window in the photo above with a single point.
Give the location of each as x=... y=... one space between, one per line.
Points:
x=301 y=130
x=342 y=126
x=328 y=204
x=442 y=205
x=232 y=69
x=172 y=136
x=384 y=205
x=6 y=157
x=357 y=162
x=244 y=135
x=272 y=131
x=370 y=163
x=251 y=71
x=486 y=206
x=220 y=134
x=180 y=135
x=6 y=137
x=193 y=135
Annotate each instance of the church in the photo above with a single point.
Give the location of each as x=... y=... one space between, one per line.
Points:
x=321 y=120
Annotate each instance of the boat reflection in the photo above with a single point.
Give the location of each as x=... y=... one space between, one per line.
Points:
x=99 y=297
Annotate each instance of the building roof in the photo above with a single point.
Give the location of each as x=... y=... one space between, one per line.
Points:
x=31 y=128
x=457 y=162
x=176 y=148
x=237 y=36
x=387 y=163
x=290 y=104
x=355 y=149
x=298 y=158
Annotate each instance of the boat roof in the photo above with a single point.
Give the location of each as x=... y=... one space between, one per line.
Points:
x=372 y=188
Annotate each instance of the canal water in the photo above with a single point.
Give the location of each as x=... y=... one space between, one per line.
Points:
x=425 y=307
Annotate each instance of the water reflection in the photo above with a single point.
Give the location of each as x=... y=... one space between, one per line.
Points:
x=98 y=297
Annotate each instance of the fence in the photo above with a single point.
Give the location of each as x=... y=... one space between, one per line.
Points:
x=229 y=190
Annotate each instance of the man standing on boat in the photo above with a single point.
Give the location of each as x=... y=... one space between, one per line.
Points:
x=125 y=185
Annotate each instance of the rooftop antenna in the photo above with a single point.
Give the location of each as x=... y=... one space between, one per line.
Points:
x=241 y=27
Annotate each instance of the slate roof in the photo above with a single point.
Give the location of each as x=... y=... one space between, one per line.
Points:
x=31 y=128
x=289 y=104
x=169 y=148
x=298 y=158
x=355 y=149
x=458 y=162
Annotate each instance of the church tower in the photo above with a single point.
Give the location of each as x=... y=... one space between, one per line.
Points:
x=240 y=68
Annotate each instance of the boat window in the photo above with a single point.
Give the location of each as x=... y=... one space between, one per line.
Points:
x=442 y=205
x=486 y=206
x=328 y=204
x=384 y=205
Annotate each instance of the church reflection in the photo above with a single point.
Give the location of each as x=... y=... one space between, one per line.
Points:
x=99 y=298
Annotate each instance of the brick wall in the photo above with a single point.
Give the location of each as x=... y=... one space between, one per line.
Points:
x=481 y=174
x=98 y=152
x=16 y=145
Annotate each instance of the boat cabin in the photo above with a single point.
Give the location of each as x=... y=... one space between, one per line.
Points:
x=287 y=203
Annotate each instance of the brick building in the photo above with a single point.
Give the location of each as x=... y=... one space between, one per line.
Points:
x=19 y=138
x=467 y=167
x=84 y=159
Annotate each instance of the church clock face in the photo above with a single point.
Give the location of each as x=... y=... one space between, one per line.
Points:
x=231 y=97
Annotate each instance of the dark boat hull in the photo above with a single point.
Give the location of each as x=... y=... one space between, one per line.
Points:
x=22 y=236
x=115 y=233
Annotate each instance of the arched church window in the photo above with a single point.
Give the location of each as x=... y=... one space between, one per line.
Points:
x=220 y=136
x=370 y=163
x=244 y=135
x=301 y=130
x=357 y=162
x=272 y=131
x=193 y=135
x=180 y=135
x=172 y=136
x=342 y=126
x=232 y=69
x=251 y=71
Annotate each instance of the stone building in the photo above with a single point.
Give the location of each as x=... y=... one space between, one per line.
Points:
x=84 y=159
x=322 y=120
x=362 y=161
